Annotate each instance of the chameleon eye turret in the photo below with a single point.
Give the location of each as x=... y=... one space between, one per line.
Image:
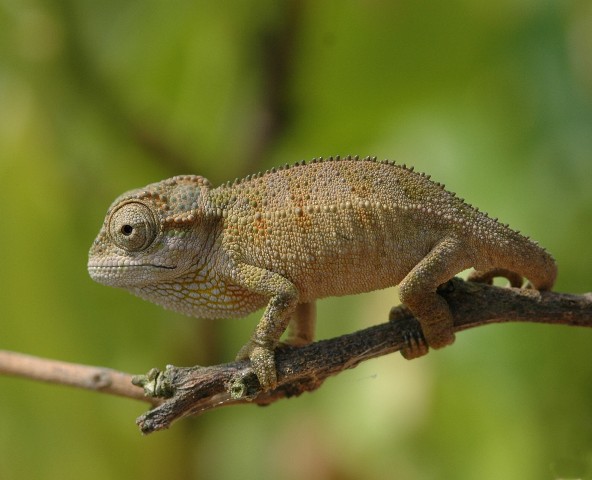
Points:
x=132 y=226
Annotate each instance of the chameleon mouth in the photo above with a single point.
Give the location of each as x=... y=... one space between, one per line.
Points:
x=100 y=272
x=97 y=266
x=125 y=274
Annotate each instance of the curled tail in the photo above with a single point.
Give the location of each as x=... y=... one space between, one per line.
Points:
x=518 y=257
x=487 y=276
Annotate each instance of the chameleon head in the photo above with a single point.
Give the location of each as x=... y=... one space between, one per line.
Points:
x=146 y=234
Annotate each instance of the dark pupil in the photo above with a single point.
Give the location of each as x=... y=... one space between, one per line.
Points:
x=127 y=230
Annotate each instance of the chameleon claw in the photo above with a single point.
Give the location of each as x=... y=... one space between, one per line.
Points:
x=415 y=344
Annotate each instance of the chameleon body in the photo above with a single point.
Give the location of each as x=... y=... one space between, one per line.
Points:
x=283 y=238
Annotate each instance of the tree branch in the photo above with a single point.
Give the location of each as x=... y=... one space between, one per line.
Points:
x=99 y=379
x=195 y=390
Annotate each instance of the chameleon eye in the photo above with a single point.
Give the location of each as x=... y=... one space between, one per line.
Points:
x=127 y=230
x=132 y=226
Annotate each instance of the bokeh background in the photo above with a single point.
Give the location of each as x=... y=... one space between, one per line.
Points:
x=494 y=99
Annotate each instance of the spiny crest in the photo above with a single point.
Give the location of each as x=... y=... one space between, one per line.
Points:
x=336 y=158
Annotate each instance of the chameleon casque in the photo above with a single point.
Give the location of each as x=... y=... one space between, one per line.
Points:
x=283 y=238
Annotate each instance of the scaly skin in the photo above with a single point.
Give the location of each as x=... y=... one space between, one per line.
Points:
x=286 y=237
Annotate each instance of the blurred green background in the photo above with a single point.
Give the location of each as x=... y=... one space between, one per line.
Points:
x=494 y=99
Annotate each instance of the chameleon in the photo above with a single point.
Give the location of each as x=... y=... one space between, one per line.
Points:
x=283 y=238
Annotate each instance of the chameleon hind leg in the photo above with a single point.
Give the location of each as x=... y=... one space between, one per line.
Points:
x=418 y=293
x=301 y=328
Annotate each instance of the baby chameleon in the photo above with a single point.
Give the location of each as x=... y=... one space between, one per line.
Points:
x=283 y=238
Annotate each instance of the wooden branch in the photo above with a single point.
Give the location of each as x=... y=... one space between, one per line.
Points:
x=99 y=379
x=195 y=390
x=180 y=392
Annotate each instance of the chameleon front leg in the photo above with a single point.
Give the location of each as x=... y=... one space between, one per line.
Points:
x=418 y=293
x=283 y=299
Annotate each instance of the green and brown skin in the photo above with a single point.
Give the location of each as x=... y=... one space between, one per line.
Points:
x=283 y=238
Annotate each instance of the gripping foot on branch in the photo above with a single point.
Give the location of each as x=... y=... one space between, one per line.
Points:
x=415 y=343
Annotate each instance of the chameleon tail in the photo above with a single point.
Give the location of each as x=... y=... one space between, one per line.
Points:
x=527 y=260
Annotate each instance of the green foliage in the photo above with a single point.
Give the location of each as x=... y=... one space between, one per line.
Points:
x=493 y=99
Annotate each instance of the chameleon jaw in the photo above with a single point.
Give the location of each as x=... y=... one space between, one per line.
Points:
x=124 y=275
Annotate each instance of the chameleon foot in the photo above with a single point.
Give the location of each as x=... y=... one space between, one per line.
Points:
x=415 y=343
x=418 y=343
x=262 y=362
